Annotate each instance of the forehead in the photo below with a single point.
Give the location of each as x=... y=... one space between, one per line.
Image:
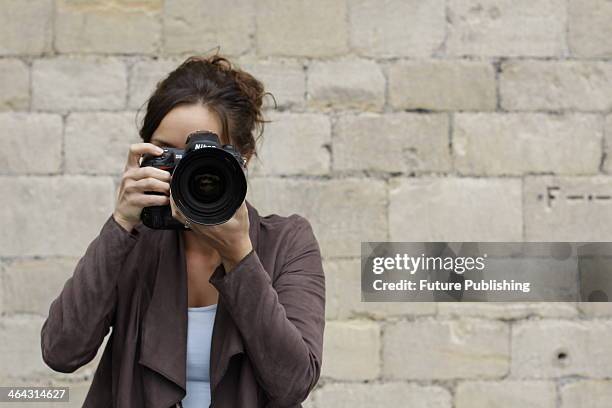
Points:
x=185 y=119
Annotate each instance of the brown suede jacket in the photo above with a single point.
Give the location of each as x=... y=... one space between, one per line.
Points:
x=267 y=339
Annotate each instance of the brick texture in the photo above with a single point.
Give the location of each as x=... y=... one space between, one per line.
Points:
x=446 y=350
x=489 y=28
x=316 y=28
x=357 y=360
x=26 y=27
x=589 y=29
x=506 y=394
x=572 y=348
x=105 y=27
x=14 y=84
x=515 y=144
x=396 y=28
x=395 y=120
x=442 y=85
x=551 y=86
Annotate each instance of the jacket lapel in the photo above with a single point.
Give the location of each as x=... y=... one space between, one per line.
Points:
x=164 y=326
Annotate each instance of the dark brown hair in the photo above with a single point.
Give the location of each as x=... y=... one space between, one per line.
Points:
x=233 y=94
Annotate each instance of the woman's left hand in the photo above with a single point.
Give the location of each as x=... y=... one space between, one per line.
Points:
x=231 y=239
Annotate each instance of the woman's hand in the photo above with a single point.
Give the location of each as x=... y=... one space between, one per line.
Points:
x=131 y=198
x=231 y=239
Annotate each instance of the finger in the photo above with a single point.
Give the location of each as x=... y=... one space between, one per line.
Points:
x=150 y=184
x=148 y=200
x=137 y=150
x=148 y=171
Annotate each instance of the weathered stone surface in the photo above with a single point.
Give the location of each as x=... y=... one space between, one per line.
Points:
x=100 y=26
x=508 y=310
x=392 y=142
x=595 y=309
x=285 y=79
x=397 y=120
x=22 y=296
x=33 y=142
x=558 y=348
x=455 y=209
x=65 y=83
x=56 y=215
x=607 y=156
x=390 y=394
x=351 y=350
x=343 y=295
x=143 y=78
x=442 y=85
x=2 y=294
x=506 y=394
x=20 y=346
x=20 y=351
x=396 y=28
x=99 y=143
x=489 y=27
x=193 y=26
x=587 y=394
x=26 y=27
x=316 y=28
x=515 y=144
x=14 y=84
x=346 y=84
x=442 y=350
x=550 y=202
x=556 y=85
x=343 y=212
x=589 y=28
x=294 y=143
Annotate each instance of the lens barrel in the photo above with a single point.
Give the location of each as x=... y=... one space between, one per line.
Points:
x=209 y=185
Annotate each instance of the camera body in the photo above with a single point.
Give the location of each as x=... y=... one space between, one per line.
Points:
x=208 y=184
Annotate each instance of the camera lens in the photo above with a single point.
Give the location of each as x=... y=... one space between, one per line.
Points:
x=207 y=185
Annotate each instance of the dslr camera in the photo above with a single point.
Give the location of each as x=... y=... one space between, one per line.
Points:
x=208 y=184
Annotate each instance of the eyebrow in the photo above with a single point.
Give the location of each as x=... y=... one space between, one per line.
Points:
x=162 y=142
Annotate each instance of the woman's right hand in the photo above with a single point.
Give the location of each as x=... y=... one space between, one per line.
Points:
x=131 y=198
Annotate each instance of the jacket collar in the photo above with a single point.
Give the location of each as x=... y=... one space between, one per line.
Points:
x=164 y=326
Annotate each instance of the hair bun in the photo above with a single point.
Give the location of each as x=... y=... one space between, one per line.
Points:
x=233 y=94
x=249 y=85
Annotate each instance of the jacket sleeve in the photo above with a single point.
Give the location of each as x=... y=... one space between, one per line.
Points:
x=81 y=316
x=281 y=322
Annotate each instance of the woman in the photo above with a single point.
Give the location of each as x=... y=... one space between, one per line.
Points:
x=229 y=315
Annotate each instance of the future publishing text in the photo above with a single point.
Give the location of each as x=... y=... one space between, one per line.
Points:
x=458 y=265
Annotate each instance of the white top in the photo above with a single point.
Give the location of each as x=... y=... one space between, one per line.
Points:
x=199 y=335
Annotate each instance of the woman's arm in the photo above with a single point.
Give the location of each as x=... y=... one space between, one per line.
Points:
x=281 y=322
x=81 y=316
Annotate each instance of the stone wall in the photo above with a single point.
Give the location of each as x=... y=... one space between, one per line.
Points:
x=396 y=120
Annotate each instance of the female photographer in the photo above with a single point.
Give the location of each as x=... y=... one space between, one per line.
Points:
x=229 y=315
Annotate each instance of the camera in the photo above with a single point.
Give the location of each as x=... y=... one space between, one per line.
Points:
x=208 y=184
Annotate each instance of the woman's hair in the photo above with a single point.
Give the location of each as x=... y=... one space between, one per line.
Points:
x=233 y=94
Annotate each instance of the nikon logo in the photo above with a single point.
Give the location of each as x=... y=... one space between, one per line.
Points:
x=201 y=145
